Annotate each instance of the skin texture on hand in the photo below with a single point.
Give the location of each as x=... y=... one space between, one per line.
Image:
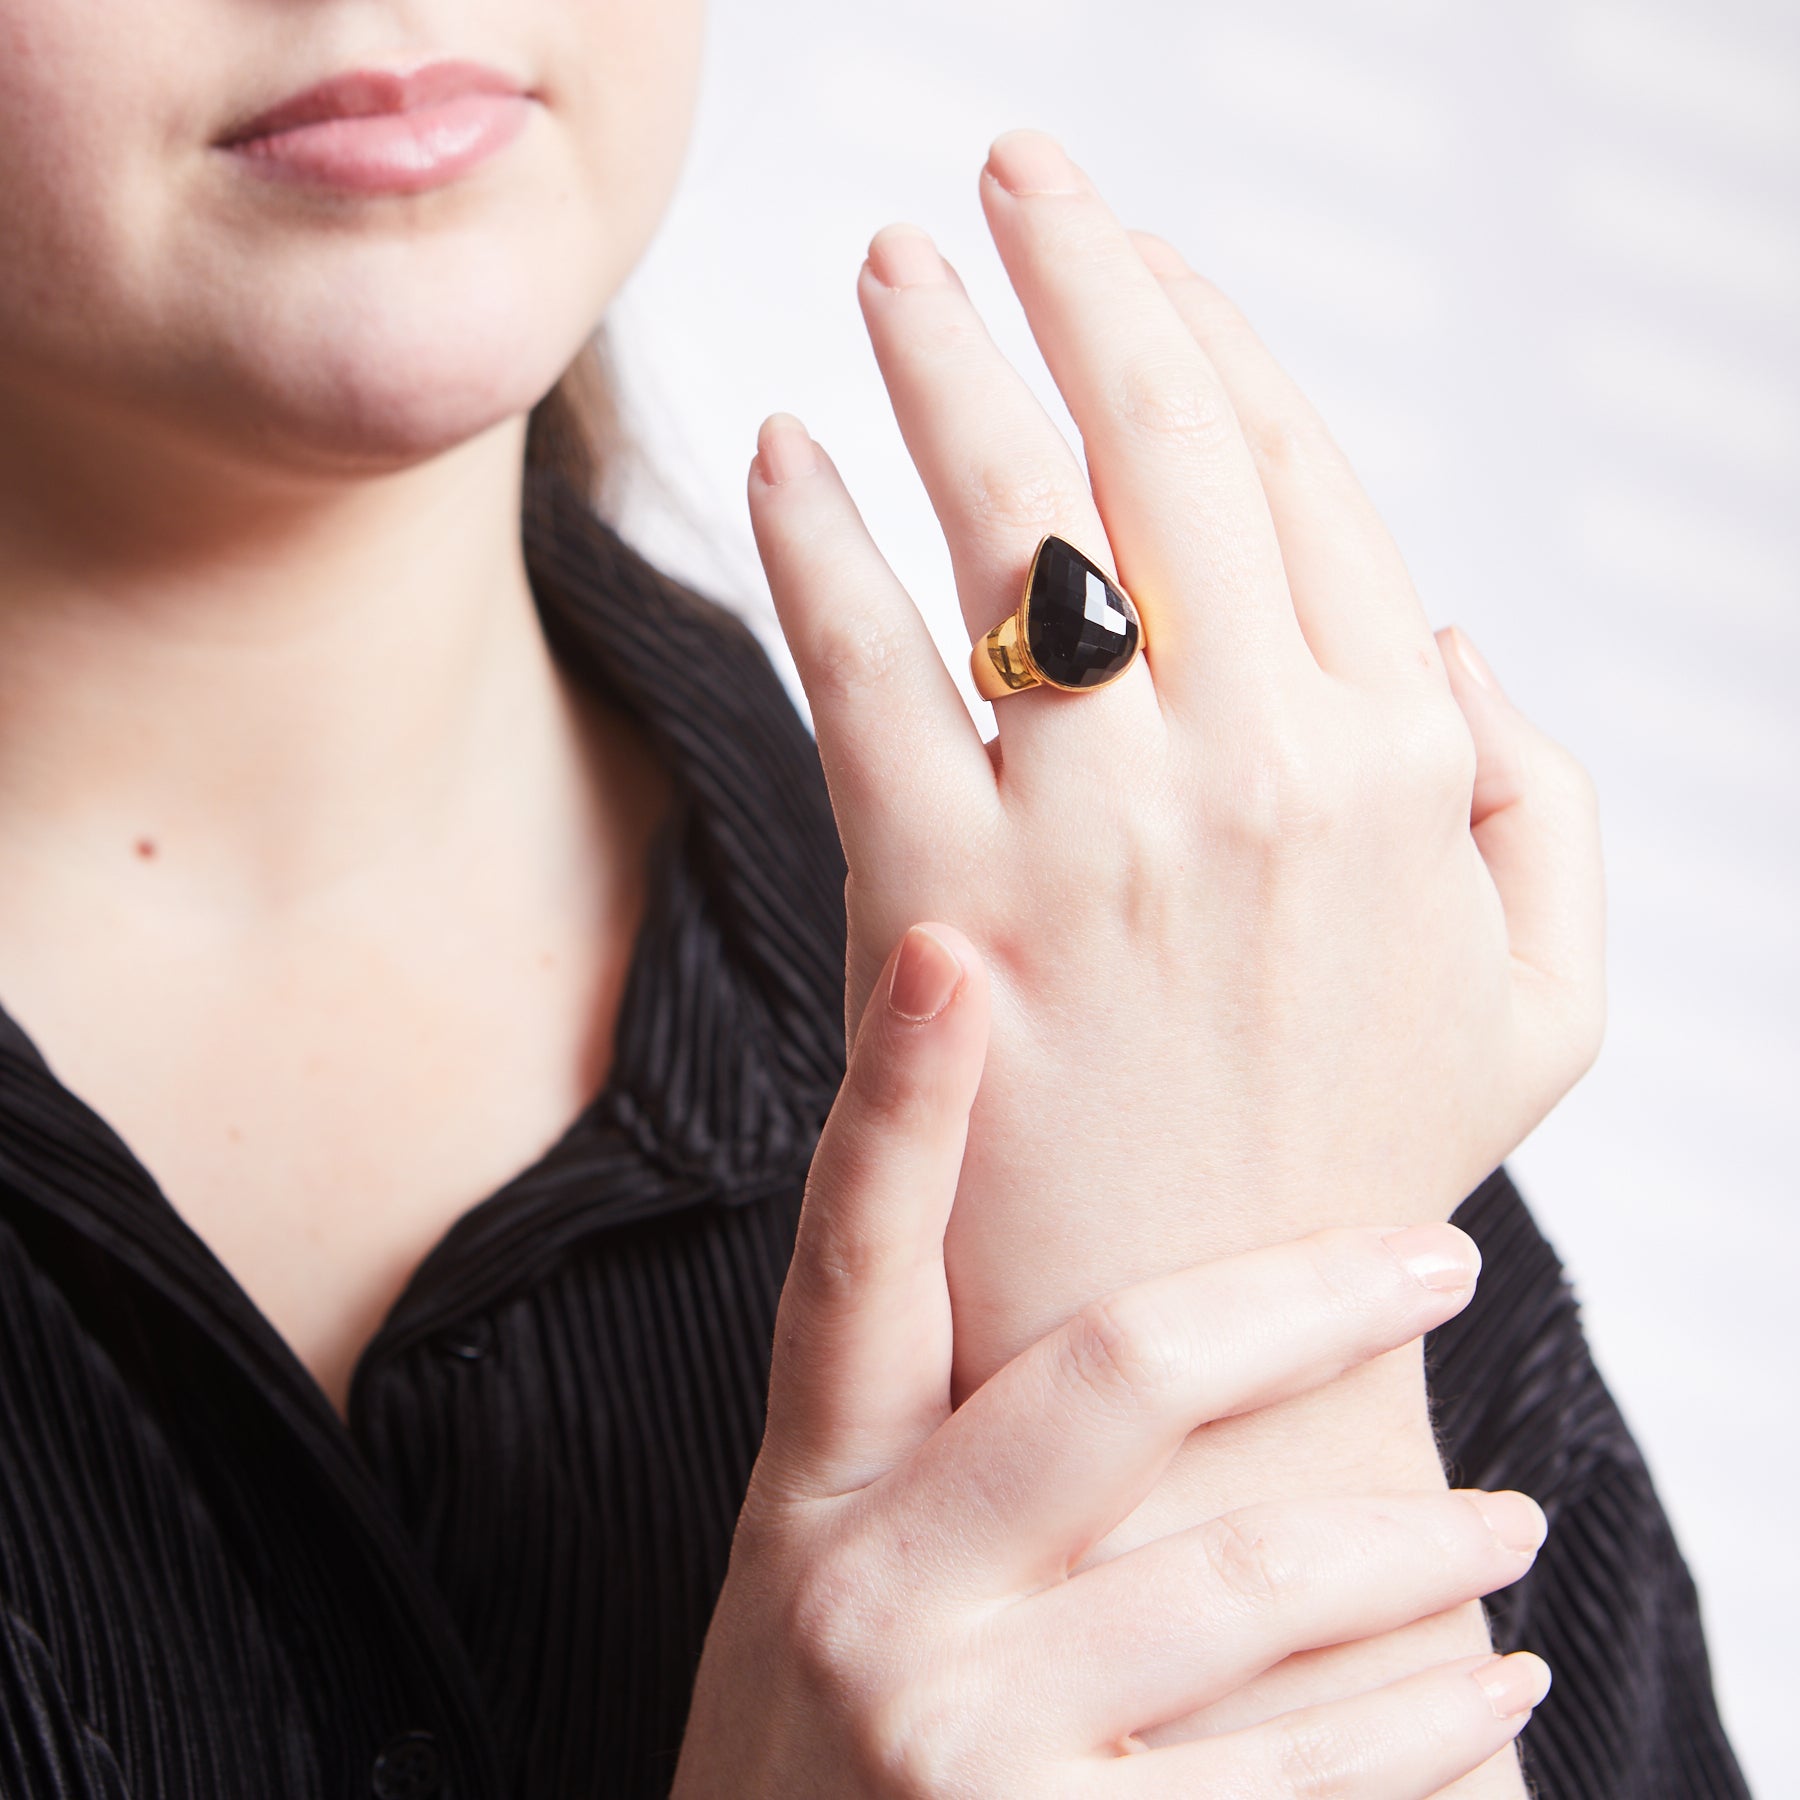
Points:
x=1298 y=923
x=907 y=1615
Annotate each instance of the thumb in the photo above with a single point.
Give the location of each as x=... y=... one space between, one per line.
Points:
x=861 y=1367
x=1534 y=816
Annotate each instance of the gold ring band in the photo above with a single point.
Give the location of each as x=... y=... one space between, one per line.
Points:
x=1074 y=628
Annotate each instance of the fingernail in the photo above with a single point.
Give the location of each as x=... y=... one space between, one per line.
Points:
x=1514 y=1684
x=1438 y=1256
x=1474 y=661
x=1031 y=162
x=787 y=450
x=904 y=256
x=1515 y=1519
x=925 y=976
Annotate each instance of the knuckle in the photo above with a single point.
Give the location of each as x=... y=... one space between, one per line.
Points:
x=1437 y=758
x=851 y=654
x=947 y=332
x=1280 y=796
x=1283 y=441
x=915 y=1745
x=1344 y=1285
x=844 y=1243
x=1168 y=402
x=1116 y=1349
x=824 y=1617
x=837 y=1261
x=1243 y=1560
x=1004 y=505
x=1313 y=1762
x=1130 y=864
x=1288 y=440
x=1144 y=884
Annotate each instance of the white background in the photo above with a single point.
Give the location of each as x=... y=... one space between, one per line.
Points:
x=1539 y=265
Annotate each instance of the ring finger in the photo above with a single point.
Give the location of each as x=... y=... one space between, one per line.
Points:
x=999 y=474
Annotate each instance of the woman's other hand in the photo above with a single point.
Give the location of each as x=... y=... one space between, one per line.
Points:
x=908 y=1610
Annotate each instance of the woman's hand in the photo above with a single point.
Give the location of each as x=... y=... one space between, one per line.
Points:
x=1297 y=923
x=901 y=1618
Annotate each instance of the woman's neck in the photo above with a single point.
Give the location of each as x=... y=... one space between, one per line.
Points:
x=267 y=693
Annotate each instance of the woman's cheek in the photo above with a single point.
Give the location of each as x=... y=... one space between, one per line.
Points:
x=154 y=272
x=64 y=160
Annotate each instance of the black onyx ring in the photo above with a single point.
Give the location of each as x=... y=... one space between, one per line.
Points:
x=1073 y=628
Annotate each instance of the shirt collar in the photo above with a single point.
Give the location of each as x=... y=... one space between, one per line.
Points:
x=729 y=1043
x=749 y=935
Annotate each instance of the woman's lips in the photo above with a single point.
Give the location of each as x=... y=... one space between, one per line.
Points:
x=376 y=131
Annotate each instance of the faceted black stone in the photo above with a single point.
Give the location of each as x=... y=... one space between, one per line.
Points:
x=1079 y=627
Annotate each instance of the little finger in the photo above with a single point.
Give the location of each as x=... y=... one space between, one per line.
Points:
x=1535 y=819
x=1178 y=1623
x=1406 y=1741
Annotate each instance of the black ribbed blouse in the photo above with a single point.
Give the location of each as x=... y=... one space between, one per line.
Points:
x=494 y=1579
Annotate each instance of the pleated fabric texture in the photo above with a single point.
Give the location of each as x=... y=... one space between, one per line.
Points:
x=493 y=1581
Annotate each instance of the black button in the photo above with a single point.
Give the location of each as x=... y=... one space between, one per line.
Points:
x=470 y=1341
x=411 y=1767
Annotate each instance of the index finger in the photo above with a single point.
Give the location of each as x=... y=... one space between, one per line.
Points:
x=1064 y=1441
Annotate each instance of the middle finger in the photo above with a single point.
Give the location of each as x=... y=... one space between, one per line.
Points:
x=1170 y=470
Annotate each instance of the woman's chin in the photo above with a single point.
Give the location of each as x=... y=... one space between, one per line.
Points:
x=377 y=432
x=385 y=413
x=373 y=371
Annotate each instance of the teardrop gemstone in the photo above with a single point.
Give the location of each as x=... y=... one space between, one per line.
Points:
x=1080 y=628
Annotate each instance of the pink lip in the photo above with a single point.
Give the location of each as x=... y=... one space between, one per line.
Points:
x=383 y=131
